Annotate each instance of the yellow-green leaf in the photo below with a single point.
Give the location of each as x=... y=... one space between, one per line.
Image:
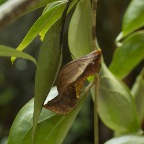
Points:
x=49 y=61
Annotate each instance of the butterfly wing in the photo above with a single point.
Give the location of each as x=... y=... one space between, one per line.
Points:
x=73 y=70
x=70 y=81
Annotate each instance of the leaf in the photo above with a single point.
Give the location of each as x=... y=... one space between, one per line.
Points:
x=133 y=18
x=138 y=94
x=8 y=52
x=46 y=20
x=127 y=56
x=115 y=104
x=127 y=139
x=80 y=30
x=51 y=129
x=49 y=61
x=37 y=4
x=55 y=15
x=43 y=2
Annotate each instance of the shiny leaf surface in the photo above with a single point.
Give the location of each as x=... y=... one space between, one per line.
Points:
x=115 y=104
x=79 y=36
x=6 y=51
x=138 y=94
x=51 y=129
x=127 y=56
x=49 y=61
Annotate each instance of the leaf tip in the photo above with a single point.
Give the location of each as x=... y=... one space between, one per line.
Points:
x=13 y=59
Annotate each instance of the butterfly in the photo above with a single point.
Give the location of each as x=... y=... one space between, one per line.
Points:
x=70 y=81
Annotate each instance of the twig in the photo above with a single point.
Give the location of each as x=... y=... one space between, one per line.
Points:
x=94 y=7
x=96 y=136
x=88 y=87
x=12 y=9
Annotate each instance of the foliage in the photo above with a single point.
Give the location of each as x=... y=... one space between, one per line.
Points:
x=50 y=127
x=120 y=108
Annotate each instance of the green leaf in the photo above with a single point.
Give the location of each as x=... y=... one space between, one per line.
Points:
x=115 y=104
x=138 y=93
x=51 y=129
x=55 y=14
x=8 y=52
x=52 y=5
x=127 y=56
x=46 y=20
x=44 y=2
x=134 y=17
x=80 y=30
x=49 y=61
x=128 y=139
x=39 y=3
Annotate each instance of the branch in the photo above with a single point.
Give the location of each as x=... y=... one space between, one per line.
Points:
x=94 y=7
x=12 y=9
x=96 y=135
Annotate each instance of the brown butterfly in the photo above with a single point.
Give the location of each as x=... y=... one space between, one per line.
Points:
x=71 y=80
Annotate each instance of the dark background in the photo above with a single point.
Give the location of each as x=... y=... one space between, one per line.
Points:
x=17 y=81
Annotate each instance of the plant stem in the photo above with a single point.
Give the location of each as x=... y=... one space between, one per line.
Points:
x=96 y=135
x=94 y=7
x=13 y=9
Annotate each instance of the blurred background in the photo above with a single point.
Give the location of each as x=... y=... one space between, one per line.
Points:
x=17 y=81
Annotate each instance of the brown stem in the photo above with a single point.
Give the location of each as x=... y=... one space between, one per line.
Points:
x=12 y=9
x=96 y=135
x=94 y=7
